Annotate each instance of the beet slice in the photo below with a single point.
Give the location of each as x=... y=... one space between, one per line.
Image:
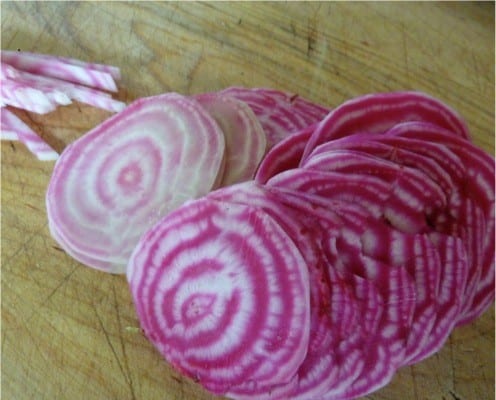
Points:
x=367 y=191
x=280 y=113
x=99 y=76
x=337 y=305
x=477 y=183
x=451 y=290
x=114 y=182
x=376 y=113
x=18 y=130
x=244 y=136
x=284 y=155
x=223 y=293
x=385 y=348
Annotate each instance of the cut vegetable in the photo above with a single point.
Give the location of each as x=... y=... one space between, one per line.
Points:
x=454 y=270
x=376 y=113
x=113 y=183
x=23 y=96
x=365 y=236
x=279 y=113
x=74 y=91
x=284 y=155
x=62 y=68
x=223 y=293
x=244 y=137
x=16 y=129
x=396 y=287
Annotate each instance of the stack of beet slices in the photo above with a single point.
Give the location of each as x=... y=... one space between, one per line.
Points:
x=363 y=240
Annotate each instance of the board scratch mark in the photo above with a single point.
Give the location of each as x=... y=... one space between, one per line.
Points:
x=452 y=362
x=129 y=379
x=62 y=282
x=23 y=246
x=414 y=380
x=9 y=44
x=453 y=394
x=405 y=52
x=109 y=342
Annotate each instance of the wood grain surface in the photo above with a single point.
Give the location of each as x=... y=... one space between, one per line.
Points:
x=70 y=332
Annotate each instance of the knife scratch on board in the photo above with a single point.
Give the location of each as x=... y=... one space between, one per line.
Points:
x=62 y=282
x=31 y=206
x=112 y=348
x=129 y=378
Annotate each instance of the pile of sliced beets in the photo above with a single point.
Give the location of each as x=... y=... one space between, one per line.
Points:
x=277 y=249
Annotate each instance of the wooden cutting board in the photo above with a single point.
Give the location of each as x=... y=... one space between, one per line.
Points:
x=69 y=332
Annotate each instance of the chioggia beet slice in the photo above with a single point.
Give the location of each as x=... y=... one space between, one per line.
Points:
x=414 y=196
x=284 y=155
x=376 y=113
x=245 y=139
x=223 y=293
x=280 y=113
x=477 y=184
x=337 y=350
x=454 y=270
x=420 y=257
x=113 y=183
x=20 y=95
x=384 y=346
x=367 y=191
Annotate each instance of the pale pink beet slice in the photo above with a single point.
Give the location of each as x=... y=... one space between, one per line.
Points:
x=20 y=95
x=245 y=139
x=55 y=88
x=117 y=180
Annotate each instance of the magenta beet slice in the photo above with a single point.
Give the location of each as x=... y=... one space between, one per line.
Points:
x=280 y=113
x=434 y=160
x=385 y=343
x=420 y=257
x=367 y=191
x=337 y=305
x=284 y=155
x=223 y=293
x=474 y=181
x=109 y=186
x=376 y=113
x=454 y=270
